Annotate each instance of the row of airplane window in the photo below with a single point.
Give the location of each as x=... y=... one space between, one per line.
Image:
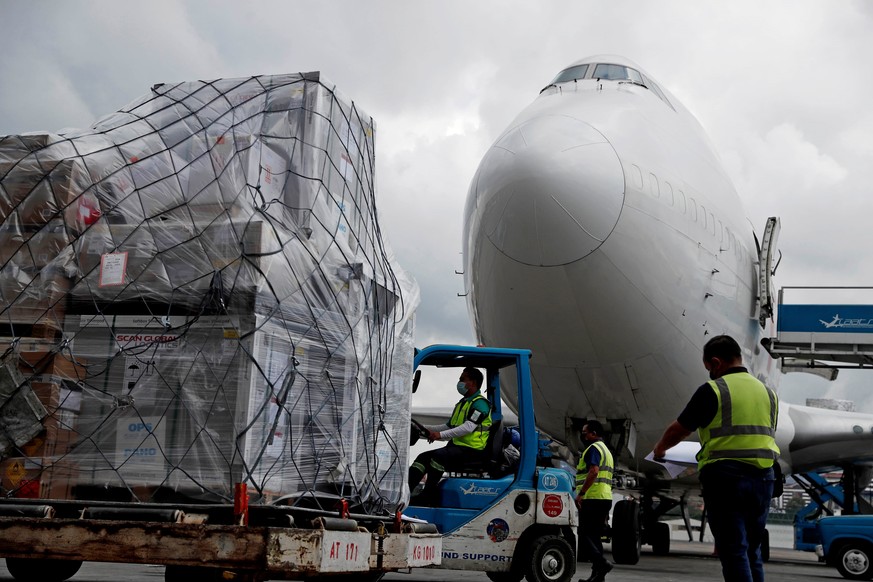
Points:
x=689 y=207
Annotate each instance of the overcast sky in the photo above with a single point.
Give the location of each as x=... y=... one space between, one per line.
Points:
x=783 y=88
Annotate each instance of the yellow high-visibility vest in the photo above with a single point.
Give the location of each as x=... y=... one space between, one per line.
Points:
x=744 y=426
x=479 y=437
x=602 y=487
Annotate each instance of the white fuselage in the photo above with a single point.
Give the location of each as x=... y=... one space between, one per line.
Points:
x=602 y=233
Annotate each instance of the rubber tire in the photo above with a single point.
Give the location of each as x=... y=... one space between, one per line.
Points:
x=853 y=560
x=552 y=547
x=626 y=539
x=660 y=539
x=191 y=573
x=511 y=576
x=42 y=570
x=356 y=577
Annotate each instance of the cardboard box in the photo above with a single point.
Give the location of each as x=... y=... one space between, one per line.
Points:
x=32 y=246
x=168 y=260
x=33 y=306
x=45 y=468
x=35 y=191
x=194 y=407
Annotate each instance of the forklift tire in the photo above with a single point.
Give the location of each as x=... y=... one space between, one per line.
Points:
x=511 y=576
x=626 y=539
x=552 y=559
x=42 y=570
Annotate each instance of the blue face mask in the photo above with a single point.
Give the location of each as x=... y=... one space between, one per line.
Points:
x=462 y=388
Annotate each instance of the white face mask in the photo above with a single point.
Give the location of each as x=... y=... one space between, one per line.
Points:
x=462 y=388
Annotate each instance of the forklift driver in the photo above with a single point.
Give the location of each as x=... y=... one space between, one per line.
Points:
x=467 y=432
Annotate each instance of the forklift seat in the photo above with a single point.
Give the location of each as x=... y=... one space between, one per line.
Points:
x=489 y=460
x=477 y=483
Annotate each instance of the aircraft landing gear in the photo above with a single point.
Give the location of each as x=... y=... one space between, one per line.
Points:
x=626 y=538
x=659 y=537
x=656 y=533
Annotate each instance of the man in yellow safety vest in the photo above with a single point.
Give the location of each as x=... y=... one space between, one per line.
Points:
x=594 y=498
x=467 y=432
x=735 y=417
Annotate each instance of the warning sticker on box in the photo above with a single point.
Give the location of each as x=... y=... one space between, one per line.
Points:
x=15 y=472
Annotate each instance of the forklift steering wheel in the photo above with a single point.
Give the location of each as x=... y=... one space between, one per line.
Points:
x=418 y=432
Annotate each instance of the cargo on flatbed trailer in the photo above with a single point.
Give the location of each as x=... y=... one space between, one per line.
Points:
x=196 y=298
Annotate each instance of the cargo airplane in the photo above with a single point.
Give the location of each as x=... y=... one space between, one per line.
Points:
x=602 y=232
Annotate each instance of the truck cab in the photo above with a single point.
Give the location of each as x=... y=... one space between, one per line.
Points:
x=847 y=544
x=509 y=520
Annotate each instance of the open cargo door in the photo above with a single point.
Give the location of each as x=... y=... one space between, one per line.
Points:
x=766 y=268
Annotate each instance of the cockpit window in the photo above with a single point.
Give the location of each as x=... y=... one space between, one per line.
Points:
x=609 y=72
x=615 y=73
x=570 y=74
x=657 y=90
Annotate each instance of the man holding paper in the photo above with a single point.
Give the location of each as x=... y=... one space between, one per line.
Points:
x=735 y=416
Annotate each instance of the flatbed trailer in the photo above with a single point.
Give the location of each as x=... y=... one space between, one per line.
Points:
x=47 y=540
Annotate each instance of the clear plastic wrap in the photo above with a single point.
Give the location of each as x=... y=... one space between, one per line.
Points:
x=197 y=290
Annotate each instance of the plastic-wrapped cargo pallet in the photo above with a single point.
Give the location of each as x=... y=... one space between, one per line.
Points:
x=197 y=291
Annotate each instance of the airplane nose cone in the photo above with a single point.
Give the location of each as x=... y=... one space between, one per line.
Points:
x=550 y=191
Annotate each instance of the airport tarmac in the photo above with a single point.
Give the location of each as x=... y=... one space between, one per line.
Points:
x=688 y=562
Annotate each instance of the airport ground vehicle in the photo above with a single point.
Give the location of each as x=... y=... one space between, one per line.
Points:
x=509 y=521
x=847 y=544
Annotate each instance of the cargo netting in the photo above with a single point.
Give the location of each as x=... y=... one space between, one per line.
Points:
x=195 y=293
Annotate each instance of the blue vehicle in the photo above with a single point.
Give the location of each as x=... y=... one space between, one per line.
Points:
x=847 y=544
x=511 y=521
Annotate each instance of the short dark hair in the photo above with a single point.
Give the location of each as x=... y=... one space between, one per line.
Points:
x=723 y=347
x=594 y=426
x=475 y=375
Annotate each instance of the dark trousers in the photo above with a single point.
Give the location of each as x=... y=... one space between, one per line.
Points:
x=737 y=497
x=592 y=521
x=434 y=463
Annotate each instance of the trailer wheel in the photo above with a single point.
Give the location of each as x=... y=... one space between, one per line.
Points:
x=191 y=573
x=552 y=559
x=853 y=560
x=660 y=539
x=356 y=577
x=42 y=570
x=626 y=540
